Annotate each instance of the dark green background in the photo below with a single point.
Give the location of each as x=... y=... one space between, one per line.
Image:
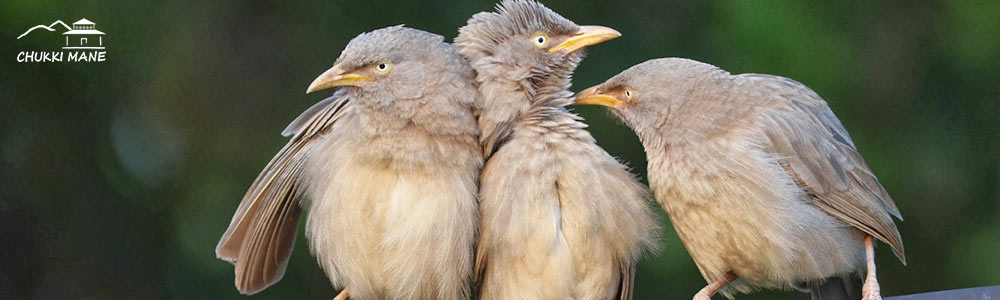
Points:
x=117 y=178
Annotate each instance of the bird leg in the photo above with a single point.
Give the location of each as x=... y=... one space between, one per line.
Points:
x=709 y=290
x=870 y=290
x=342 y=296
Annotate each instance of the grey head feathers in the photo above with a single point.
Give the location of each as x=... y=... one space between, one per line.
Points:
x=661 y=92
x=418 y=61
x=499 y=46
x=519 y=78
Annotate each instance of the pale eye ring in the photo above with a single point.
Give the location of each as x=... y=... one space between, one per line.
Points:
x=382 y=67
x=628 y=94
x=540 y=40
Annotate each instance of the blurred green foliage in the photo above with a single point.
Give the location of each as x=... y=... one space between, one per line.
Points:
x=117 y=178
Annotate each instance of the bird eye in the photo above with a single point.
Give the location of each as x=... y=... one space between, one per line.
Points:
x=540 y=40
x=628 y=94
x=382 y=68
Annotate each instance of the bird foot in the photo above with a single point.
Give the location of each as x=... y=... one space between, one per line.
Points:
x=870 y=291
x=706 y=292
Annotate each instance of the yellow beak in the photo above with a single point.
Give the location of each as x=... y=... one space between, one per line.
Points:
x=592 y=96
x=334 y=77
x=586 y=36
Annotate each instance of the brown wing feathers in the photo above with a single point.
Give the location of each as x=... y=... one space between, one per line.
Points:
x=628 y=282
x=261 y=236
x=820 y=156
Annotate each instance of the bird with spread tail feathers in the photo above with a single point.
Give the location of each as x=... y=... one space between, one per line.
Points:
x=389 y=164
x=759 y=178
x=560 y=217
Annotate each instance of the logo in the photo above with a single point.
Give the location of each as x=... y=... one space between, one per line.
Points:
x=80 y=43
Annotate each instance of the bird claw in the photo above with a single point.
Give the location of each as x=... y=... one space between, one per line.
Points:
x=870 y=292
x=700 y=296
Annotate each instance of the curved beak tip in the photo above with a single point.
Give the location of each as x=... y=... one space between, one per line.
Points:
x=592 y=96
x=334 y=78
x=586 y=36
x=316 y=85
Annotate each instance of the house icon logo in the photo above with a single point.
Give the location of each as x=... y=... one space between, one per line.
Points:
x=84 y=35
x=80 y=43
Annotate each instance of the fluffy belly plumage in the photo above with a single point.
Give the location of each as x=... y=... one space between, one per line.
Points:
x=763 y=228
x=389 y=234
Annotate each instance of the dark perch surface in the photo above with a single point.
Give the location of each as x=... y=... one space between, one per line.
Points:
x=979 y=293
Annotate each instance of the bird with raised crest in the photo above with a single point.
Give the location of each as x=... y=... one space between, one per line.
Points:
x=560 y=217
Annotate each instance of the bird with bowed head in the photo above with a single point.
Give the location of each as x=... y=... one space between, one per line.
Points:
x=758 y=177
